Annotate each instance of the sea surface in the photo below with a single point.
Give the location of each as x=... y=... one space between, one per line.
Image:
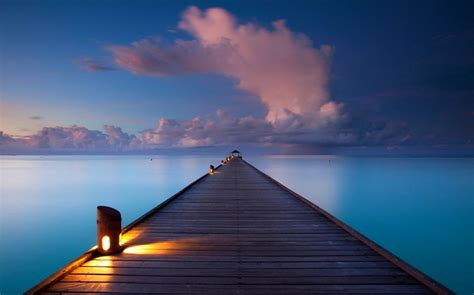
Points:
x=421 y=209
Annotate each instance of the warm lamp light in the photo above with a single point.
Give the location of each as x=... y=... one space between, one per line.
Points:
x=211 y=169
x=105 y=243
x=109 y=227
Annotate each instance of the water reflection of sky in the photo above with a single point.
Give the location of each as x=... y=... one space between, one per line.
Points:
x=419 y=208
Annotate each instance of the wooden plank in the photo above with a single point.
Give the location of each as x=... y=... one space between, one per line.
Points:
x=404 y=279
x=241 y=259
x=131 y=288
x=262 y=253
x=242 y=265
x=235 y=271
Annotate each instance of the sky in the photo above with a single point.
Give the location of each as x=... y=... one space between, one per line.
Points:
x=295 y=77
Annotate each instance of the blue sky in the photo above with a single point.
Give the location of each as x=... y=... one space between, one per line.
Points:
x=402 y=69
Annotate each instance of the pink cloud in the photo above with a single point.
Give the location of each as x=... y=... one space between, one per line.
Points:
x=222 y=129
x=71 y=138
x=119 y=139
x=205 y=131
x=219 y=129
x=281 y=67
x=74 y=137
x=9 y=141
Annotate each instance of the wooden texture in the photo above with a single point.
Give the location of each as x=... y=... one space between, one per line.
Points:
x=238 y=232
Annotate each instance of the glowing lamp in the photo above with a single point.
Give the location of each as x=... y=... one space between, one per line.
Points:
x=109 y=226
x=211 y=169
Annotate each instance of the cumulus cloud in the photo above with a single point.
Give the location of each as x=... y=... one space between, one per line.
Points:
x=207 y=131
x=7 y=140
x=118 y=139
x=281 y=67
x=222 y=129
x=219 y=129
x=72 y=138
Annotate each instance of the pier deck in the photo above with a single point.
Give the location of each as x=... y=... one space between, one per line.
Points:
x=240 y=232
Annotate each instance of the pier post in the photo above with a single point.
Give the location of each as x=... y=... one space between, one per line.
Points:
x=109 y=227
x=211 y=169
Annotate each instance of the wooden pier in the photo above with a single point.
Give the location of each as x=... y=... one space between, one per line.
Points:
x=238 y=231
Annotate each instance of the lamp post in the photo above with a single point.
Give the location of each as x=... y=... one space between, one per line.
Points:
x=211 y=169
x=109 y=227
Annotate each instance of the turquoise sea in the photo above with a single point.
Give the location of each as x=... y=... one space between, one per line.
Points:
x=421 y=209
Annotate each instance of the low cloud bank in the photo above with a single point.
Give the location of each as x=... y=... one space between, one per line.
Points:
x=73 y=139
x=219 y=129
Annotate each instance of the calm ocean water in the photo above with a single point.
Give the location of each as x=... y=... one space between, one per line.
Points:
x=421 y=209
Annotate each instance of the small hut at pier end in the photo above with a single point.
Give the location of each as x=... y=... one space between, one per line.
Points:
x=236 y=153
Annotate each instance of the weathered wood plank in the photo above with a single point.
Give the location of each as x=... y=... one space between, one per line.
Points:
x=235 y=271
x=242 y=265
x=404 y=279
x=241 y=259
x=131 y=288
